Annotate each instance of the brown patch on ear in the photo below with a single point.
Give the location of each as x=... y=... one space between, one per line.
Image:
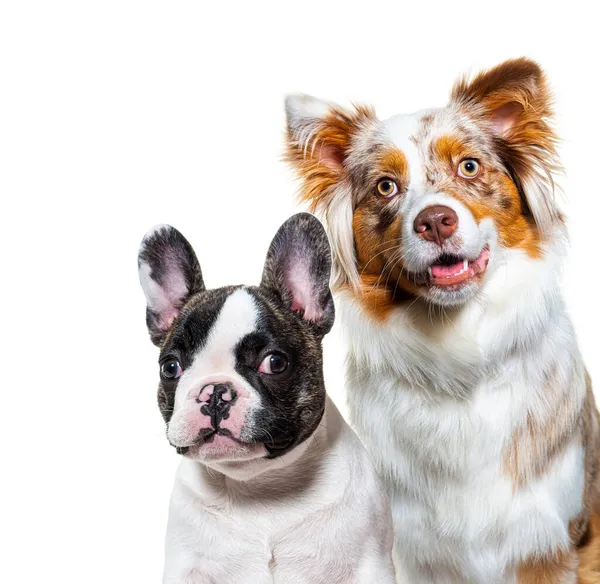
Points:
x=514 y=103
x=319 y=149
x=553 y=569
x=518 y=81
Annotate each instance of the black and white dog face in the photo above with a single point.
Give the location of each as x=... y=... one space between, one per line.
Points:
x=241 y=373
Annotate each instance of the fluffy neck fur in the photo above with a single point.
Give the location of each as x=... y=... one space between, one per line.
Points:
x=461 y=408
x=446 y=351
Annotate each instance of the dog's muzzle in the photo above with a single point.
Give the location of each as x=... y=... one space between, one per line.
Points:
x=217 y=402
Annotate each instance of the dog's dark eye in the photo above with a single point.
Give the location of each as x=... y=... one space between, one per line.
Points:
x=468 y=168
x=171 y=369
x=273 y=363
x=386 y=187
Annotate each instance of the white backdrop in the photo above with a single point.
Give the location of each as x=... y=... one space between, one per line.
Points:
x=117 y=115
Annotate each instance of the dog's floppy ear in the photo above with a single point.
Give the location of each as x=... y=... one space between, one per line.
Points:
x=514 y=101
x=298 y=268
x=319 y=138
x=169 y=274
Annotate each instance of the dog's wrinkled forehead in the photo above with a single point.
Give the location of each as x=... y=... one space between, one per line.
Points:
x=214 y=322
x=215 y=326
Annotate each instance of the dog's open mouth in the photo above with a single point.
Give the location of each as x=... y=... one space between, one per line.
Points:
x=452 y=270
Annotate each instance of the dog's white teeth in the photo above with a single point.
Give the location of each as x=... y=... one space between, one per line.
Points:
x=465 y=265
x=430 y=271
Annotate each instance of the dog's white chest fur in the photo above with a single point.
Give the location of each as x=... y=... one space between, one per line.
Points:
x=438 y=413
x=324 y=518
x=452 y=503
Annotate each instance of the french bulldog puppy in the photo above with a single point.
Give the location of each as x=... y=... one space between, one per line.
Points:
x=273 y=486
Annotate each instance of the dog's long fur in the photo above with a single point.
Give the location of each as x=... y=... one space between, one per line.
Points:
x=473 y=400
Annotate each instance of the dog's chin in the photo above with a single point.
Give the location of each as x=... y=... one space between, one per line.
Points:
x=223 y=448
x=452 y=280
x=241 y=460
x=450 y=297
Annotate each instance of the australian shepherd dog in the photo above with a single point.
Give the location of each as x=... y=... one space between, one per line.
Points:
x=464 y=377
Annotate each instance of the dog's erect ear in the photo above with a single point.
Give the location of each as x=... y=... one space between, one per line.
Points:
x=319 y=138
x=169 y=274
x=514 y=101
x=298 y=268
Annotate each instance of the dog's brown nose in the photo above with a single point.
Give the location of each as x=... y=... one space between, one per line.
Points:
x=436 y=223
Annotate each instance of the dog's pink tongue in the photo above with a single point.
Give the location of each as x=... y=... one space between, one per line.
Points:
x=449 y=275
x=440 y=271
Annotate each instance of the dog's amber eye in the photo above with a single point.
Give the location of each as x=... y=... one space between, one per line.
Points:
x=468 y=168
x=171 y=369
x=273 y=363
x=386 y=187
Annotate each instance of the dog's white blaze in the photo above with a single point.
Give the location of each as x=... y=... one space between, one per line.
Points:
x=400 y=129
x=237 y=318
x=215 y=361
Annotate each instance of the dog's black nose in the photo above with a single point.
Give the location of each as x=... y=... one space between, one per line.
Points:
x=221 y=399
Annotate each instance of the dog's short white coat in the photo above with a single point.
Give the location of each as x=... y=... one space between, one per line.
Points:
x=318 y=514
x=323 y=518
